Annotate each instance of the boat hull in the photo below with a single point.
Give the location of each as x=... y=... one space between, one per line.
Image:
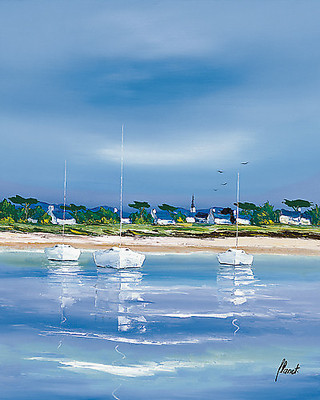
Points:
x=118 y=258
x=235 y=257
x=62 y=252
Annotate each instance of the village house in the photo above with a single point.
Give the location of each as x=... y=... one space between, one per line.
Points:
x=294 y=218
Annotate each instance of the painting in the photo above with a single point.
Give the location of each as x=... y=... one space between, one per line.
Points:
x=159 y=214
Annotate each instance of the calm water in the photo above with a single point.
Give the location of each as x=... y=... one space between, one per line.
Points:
x=180 y=328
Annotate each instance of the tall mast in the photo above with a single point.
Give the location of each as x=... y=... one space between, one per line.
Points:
x=237 y=213
x=64 y=195
x=121 y=183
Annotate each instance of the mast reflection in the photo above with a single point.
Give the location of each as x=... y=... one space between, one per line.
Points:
x=118 y=293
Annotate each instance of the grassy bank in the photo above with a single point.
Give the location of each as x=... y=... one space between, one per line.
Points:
x=179 y=230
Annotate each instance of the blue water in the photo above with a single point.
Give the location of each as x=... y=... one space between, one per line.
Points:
x=182 y=327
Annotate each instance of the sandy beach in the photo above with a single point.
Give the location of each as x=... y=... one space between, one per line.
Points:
x=255 y=245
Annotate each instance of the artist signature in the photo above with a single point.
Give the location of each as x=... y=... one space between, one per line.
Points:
x=284 y=370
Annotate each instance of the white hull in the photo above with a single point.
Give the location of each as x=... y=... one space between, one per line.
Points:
x=62 y=252
x=235 y=257
x=118 y=257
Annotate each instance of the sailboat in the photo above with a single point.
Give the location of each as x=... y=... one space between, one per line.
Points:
x=63 y=252
x=236 y=256
x=119 y=257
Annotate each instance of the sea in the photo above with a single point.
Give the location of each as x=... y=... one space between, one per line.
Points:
x=181 y=327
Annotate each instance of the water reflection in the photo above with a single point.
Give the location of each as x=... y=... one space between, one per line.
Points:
x=119 y=293
x=65 y=284
x=235 y=284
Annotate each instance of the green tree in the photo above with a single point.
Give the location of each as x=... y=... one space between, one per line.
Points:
x=179 y=217
x=108 y=216
x=170 y=209
x=141 y=216
x=265 y=215
x=24 y=202
x=37 y=213
x=314 y=214
x=89 y=217
x=247 y=208
x=7 y=210
x=102 y=216
x=167 y=207
x=176 y=216
x=297 y=204
x=78 y=212
x=45 y=219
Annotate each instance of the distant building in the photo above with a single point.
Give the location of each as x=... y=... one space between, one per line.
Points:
x=201 y=216
x=210 y=217
x=162 y=217
x=193 y=207
x=57 y=217
x=221 y=219
x=205 y=216
x=242 y=219
x=218 y=218
x=294 y=218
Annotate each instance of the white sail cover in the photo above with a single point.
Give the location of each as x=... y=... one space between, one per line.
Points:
x=118 y=257
x=62 y=252
x=235 y=257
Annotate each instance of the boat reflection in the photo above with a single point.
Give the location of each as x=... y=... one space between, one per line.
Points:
x=235 y=284
x=65 y=284
x=118 y=293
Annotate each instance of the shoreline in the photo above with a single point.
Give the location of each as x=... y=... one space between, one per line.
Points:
x=254 y=245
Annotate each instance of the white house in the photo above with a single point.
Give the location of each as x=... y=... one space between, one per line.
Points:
x=242 y=219
x=210 y=217
x=221 y=219
x=56 y=217
x=217 y=217
x=164 y=218
x=294 y=218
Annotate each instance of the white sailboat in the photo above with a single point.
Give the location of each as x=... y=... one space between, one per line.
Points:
x=236 y=256
x=119 y=257
x=63 y=252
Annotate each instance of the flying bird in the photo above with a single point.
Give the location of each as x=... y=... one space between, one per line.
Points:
x=220 y=171
x=245 y=162
x=215 y=190
x=224 y=184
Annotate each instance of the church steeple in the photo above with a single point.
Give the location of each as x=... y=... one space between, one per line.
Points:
x=193 y=207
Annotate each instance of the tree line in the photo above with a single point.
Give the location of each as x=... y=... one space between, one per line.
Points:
x=20 y=209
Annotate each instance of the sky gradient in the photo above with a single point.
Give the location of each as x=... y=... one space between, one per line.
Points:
x=198 y=85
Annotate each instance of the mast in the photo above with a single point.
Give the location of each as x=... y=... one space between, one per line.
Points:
x=64 y=195
x=121 y=183
x=237 y=213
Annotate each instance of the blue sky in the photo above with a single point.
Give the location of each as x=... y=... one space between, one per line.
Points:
x=198 y=85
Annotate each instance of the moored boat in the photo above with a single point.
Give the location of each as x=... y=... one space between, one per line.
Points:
x=118 y=257
x=62 y=252
x=235 y=257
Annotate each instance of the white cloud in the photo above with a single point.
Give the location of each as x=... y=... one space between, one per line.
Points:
x=224 y=148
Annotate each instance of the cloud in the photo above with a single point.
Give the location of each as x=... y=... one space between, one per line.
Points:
x=223 y=148
x=45 y=33
x=214 y=83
